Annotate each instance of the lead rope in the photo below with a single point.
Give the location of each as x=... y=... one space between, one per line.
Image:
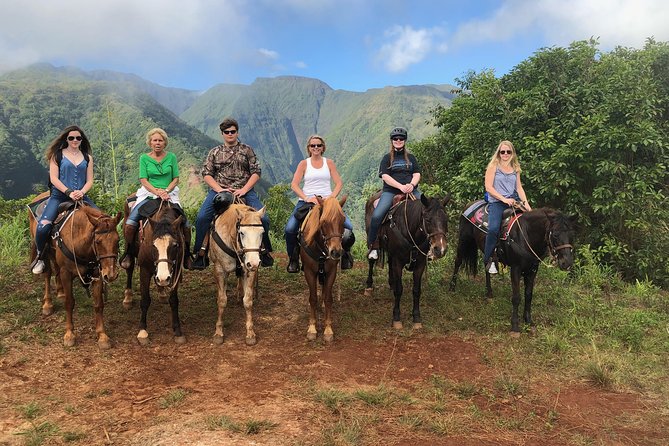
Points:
x=406 y=222
x=74 y=254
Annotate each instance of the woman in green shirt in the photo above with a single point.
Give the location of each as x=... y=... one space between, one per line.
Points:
x=159 y=176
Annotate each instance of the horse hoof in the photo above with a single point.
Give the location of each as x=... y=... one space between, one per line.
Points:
x=180 y=339
x=397 y=325
x=127 y=304
x=515 y=334
x=369 y=291
x=533 y=330
x=251 y=340
x=143 y=338
x=311 y=336
x=417 y=325
x=68 y=341
x=104 y=344
x=218 y=340
x=47 y=311
x=328 y=337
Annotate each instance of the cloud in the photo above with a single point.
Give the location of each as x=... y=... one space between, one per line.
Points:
x=301 y=65
x=407 y=46
x=560 y=22
x=268 y=54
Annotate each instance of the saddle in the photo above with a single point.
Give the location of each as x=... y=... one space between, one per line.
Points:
x=477 y=214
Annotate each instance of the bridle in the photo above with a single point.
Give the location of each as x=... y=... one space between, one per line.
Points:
x=554 y=249
x=240 y=252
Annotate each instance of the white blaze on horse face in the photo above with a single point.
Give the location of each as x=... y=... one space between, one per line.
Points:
x=163 y=274
x=251 y=237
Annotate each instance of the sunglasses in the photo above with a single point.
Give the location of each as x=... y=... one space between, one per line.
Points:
x=229 y=132
x=313 y=146
x=72 y=138
x=398 y=138
x=505 y=152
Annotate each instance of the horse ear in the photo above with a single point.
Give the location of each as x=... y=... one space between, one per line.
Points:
x=446 y=199
x=573 y=219
x=176 y=223
x=319 y=199
x=118 y=218
x=343 y=200
x=425 y=200
x=261 y=211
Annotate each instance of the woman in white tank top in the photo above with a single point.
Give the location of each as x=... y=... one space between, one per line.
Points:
x=318 y=173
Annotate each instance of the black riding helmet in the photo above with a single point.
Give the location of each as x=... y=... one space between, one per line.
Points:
x=398 y=131
x=222 y=201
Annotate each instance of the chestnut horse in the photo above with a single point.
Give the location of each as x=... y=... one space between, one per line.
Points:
x=535 y=235
x=413 y=232
x=160 y=258
x=84 y=245
x=235 y=240
x=321 y=250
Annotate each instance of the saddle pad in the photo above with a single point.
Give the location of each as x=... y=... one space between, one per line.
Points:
x=477 y=214
x=38 y=206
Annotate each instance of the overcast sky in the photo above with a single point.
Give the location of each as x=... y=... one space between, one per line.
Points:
x=349 y=44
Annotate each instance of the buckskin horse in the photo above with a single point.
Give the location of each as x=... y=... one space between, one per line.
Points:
x=235 y=240
x=321 y=250
x=533 y=236
x=84 y=245
x=412 y=232
x=160 y=258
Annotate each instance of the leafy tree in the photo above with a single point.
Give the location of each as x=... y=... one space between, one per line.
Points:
x=591 y=132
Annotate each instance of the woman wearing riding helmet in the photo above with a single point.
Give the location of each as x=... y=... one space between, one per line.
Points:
x=400 y=173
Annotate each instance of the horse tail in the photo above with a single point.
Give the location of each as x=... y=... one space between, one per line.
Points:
x=467 y=248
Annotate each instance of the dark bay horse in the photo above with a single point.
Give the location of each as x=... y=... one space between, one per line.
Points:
x=535 y=235
x=235 y=240
x=85 y=245
x=321 y=250
x=160 y=258
x=413 y=232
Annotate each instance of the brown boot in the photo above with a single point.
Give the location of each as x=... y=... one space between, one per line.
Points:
x=130 y=235
x=188 y=259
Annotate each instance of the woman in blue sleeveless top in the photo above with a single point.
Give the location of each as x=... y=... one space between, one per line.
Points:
x=71 y=176
x=502 y=183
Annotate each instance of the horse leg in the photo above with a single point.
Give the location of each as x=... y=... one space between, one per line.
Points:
x=395 y=281
x=221 y=301
x=47 y=305
x=515 y=300
x=328 y=334
x=144 y=303
x=488 y=285
x=311 y=277
x=417 y=281
x=370 y=278
x=104 y=342
x=127 y=293
x=66 y=280
x=529 y=277
x=179 y=338
x=249 y=283
x=454 y=277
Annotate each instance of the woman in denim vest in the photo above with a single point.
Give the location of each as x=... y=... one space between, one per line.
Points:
x=502 y=183
x=70 y=179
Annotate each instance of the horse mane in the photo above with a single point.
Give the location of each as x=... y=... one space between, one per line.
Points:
x=557 y=220
x=163 y=221
x=329 y=210
x=228 y=219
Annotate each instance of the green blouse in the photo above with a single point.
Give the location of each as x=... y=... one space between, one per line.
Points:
x=160 y=174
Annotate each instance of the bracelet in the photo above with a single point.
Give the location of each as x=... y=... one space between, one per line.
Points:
x=68 y=191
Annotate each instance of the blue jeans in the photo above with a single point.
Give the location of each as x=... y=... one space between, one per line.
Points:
x=49 y=215
x=495 y=211
x=293 y=226
x=206 y=215
x=133 y=218
x=385 y=203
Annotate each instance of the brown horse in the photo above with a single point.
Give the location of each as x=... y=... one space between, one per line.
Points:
x=160 y=257
x=321 y=249
x=85 y=245
x=235 y=246
x=413 y=232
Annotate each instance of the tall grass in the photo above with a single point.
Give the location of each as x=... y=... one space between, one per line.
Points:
x=14 y=241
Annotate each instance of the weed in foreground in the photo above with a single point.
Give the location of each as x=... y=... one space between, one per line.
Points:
x=344 y=432
x=598 y=374
x=221 y=422
x=30 y=411
x=333 y=399
x=173 y=398
x=252 y=427
x=73 y=436
x=37 y=434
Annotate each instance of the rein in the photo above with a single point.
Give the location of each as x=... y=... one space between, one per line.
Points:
x=178 y=266
x=553 y=250
x=238 y=254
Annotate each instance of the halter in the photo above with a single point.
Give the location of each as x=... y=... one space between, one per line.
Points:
x=240 y=252
x=422 y=228
x=553 y=250
x=178 y=266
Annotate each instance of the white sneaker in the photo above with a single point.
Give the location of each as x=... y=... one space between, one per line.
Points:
x=39 y=267
x=493 y=268
x=373 y=254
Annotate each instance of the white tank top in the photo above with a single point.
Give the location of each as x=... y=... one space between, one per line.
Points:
x=317 y=181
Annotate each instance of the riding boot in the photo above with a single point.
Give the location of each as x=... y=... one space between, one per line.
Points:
x=348 y=239
x=129 y=234
x=294 y=263
x=188 y=259
x=266 y=259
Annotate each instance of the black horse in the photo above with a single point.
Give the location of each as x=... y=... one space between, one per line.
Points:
x=534 y=235
x=414 y=231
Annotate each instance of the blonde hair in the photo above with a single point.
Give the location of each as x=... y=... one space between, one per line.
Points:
x=495 y=160
x=318 y=137
x=152 y=132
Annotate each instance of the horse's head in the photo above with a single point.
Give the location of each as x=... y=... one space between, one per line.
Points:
x=435 y=223
x=105 y=244
x=331 y=225
x=167 y=246
x=249 y=235
x=560 y=235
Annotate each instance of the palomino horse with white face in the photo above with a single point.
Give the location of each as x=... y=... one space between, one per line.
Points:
x=321 y=250
x=160 y=258
x=235 y=237
x=84 y=245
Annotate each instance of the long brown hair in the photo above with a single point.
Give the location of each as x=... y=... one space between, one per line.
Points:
x=60 y=142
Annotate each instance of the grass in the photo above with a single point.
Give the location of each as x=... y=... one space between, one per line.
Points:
x=173 y=398
x=247 y=427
